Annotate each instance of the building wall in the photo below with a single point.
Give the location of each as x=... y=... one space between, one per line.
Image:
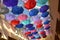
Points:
x=55 y=15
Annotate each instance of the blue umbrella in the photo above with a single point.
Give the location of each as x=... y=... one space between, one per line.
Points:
x=17 y=10
x=33 y=12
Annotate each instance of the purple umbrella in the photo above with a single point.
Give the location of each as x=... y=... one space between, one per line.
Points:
x=10 y=3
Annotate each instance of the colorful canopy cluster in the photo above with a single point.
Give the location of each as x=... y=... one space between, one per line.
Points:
x=36 y=21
